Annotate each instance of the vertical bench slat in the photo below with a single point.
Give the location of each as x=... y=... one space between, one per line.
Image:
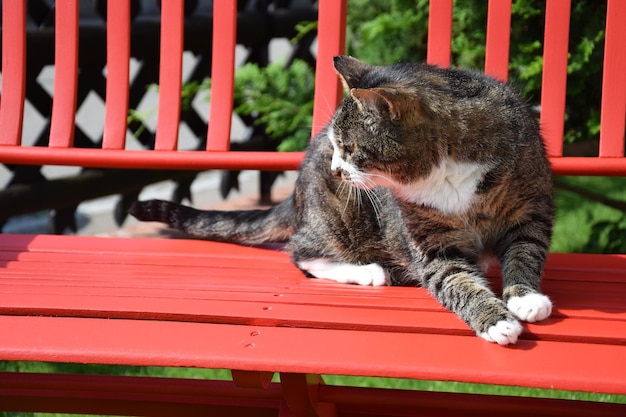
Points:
x=613 y=109
x=554 y=77
x=13 y=71
x=331 y=41
x=170 y=75
x=117 y=87
x=439 y=33
x=222 y=74
x=498 y=39
x=65 y=74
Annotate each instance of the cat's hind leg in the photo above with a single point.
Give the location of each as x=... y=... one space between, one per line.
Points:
x=370 y=274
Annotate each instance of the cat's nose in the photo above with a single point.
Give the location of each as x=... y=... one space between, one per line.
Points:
x=337 y=173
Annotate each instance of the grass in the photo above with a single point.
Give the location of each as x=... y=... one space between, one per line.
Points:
x=575 y=216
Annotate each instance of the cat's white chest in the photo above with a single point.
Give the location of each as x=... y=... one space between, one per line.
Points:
x=450 y=187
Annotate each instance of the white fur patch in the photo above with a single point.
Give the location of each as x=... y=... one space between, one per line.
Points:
x=337 y=161
x=450 y=187
x=531 y=307
x=503 y=332
x=370 y=274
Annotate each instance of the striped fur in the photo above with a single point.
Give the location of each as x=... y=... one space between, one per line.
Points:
x=421 y=176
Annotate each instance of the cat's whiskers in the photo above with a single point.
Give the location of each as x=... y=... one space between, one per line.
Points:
x=365 y=185
x=341 y=189
x=386 y=178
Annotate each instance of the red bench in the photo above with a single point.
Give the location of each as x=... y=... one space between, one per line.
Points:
x=188 y=303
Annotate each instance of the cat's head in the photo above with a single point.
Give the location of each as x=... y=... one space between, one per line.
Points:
x=380 y=133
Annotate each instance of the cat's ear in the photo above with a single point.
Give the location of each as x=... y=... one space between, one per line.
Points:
x=350 y=70
x=378 y=100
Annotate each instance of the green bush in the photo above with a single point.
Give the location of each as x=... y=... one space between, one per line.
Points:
x=383 y=32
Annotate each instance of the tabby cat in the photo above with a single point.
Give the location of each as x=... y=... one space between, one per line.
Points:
x=422 y=177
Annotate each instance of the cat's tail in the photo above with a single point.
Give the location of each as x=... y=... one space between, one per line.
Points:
x=246 y=227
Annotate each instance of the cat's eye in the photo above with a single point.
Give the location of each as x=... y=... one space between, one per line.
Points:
x=348 y=148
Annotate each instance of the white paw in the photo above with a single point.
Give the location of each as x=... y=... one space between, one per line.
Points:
x=503 y=332
x=370 y=274
x=530 y=307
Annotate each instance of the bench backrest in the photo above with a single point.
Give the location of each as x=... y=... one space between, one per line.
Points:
x=331 y=41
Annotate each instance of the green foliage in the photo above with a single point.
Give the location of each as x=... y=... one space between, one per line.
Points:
x=384 y=32
x=607 y=237
x=280 y=98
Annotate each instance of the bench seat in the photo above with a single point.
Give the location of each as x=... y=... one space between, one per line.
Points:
x=111 y=300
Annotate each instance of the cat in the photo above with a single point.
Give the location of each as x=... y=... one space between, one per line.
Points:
x=422 y=176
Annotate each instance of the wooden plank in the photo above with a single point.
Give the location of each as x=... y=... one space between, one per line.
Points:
x=603 y=328
x=166 y=396
x=118 y=76
x=613 y=116
x=13 y=72
x=439 y=33
x=65 y=75
x=137 y=396
x=554 y=76
x=170 y=75
x=331 y=42
x=222 y=74
x=298 y=350
x=498 y=39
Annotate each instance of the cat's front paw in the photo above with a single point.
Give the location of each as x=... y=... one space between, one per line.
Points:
x=503 y=332
x=530 y=307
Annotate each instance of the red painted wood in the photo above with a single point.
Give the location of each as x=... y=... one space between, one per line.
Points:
x=170 y=75
x=137 y=396
x=151 y=159
x=439 y=33
x=309 y=350
x=13 y=71
x=554 y=77
x=414 y=403
x=167 y=397
x=613 y=116
x=173 y=284
x=118 y=57
x=498 y=39
x=223 y=74
x=65 y=74
x=331 y=42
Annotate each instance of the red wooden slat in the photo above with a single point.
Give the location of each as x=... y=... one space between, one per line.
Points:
x=134 y=396
x=572 y=165
x=222 y=74
x=439 y=33
x=613 y=108
x=118 y=58
x=270 y=161
x=170 y=74
x=554 y=77
x=438 y=404
x=130 y=395
x=13 y=71
x=331 y=42
x=498 y=39
x=293 y=310
x=65 y=74
x=542 y=365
